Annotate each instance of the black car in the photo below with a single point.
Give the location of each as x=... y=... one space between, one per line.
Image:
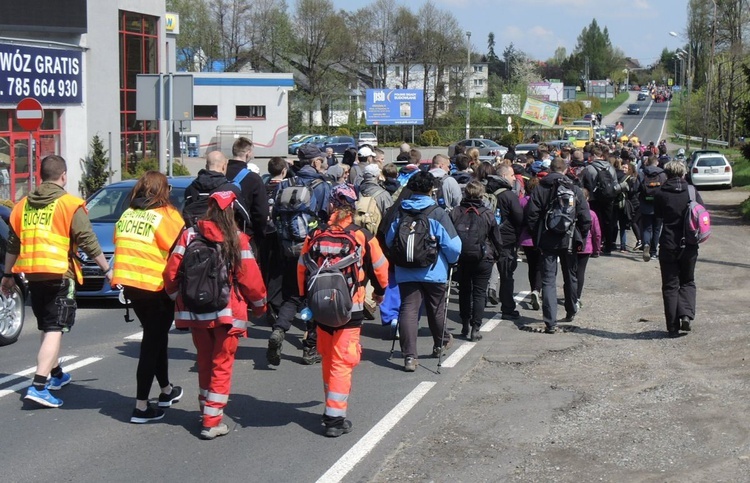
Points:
x=642 y=96
x=634 y=109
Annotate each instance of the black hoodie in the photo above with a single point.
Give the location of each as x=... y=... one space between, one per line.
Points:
x=537 y=209
x=670 y=204
x=208 y=182
x=511 y=212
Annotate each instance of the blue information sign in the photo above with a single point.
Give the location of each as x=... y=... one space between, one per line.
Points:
x=395 y=106
x=51 y=76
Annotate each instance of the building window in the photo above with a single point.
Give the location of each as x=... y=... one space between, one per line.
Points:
x=139 y=54
x=206 y=112
x=250 y=112
x=478 y=68
x=478 y=82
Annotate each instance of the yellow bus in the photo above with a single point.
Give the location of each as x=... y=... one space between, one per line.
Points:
x=578 y=135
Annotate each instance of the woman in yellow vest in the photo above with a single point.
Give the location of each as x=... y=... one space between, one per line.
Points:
x=144 y=237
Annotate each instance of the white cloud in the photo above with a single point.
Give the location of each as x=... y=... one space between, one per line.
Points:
x=642 y=4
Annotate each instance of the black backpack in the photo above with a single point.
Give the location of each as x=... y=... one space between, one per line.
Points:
x=196 y=210
x=204 y=276
x=414 y=245
x=471 y=225
x=606 y=186
x=560 y=218
x=651 y=186
x=437 y=192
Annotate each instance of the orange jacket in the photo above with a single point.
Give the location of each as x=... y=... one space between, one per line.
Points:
x=143 y=239
x=373 y=261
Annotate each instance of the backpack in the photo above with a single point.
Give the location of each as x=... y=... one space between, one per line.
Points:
x=196 y=210
x=560 y=217
x=471 y=225
x=333 y=263
x=294 y=214
x=367 y=214
x=414 y=245
x=651 y=186
x=437 y=192
x=697 y=227
x=239 y=177
x=489 y=200
x=606 y=186
x=204 y=276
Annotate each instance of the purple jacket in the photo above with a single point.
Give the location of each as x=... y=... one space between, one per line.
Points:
x=594 y=238
x=524 y=238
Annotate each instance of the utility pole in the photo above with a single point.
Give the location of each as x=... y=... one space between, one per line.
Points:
x=709 y=76
x=468 y=83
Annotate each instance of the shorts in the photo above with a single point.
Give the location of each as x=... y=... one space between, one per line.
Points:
x=54 y=304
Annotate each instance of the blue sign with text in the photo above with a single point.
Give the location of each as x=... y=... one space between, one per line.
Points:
x=51 y=76
x=394 y=107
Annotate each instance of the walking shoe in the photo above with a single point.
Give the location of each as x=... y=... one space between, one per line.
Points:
x=273 y=354
x=685 y=324
x=535 y=300
x=150 y=414
x=638 y=246
x=214 y=431
x=646 y=253
x=511 y=315
x=550 y=329
x=166 y=400
x=339 y=429
x=437 y=350
x=475 y=335
x=410 y=364
x=310 y=356
x=56 y=383
x=43 y=397
x=492 y=297
x=465 y=328
x=569 y=317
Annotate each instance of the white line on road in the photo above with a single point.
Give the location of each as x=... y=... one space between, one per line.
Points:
x=491 y=324
x=664 y=122
x=76 y=365
x=28 y=371
x=520 y=296
x=362 y=447
x=458 y=354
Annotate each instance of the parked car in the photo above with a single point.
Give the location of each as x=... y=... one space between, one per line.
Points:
x=582 y=122
x=12 y=307
x=700 y=152
x=642 y=96
x=311 y=139
x=634 y=109
x=522 y=149
x=367 y=138
x=559 y=144
x=486 y=147
x=338 y=143
x=105 y=207
x=711 y=169
x=298 y=138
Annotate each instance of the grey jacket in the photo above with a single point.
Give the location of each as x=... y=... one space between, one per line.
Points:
x=451 y=190
x=370 y=187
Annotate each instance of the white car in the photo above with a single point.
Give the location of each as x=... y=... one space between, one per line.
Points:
x=711 y=169
x=367 y=138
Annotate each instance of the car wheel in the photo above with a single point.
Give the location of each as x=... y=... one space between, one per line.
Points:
x=12 y=313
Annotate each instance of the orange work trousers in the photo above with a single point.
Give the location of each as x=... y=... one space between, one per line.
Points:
x=216 y=350
x=341 y=353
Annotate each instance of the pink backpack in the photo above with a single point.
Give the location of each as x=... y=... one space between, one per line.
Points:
x=697 y=221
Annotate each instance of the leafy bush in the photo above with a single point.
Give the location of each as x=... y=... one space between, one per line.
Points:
x=96 y=168
x=571 y=110
x=342 y=131
x=430 y=138
x=152 y=164
x=745 y=209
x=596 y=104
x=746 y=151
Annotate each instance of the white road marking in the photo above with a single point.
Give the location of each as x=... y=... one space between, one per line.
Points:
x=651 y=103
x=458 y=354
x=520 y=296
x=28 y=371
x=491 y=324
x=76 y=365
x=664 y=123
x=362 y=447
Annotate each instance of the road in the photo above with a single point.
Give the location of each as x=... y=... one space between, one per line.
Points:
x=588 y=404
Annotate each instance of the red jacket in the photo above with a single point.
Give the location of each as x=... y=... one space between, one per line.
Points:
x=252 y=290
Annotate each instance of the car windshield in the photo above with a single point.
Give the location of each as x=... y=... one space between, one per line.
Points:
x=711 y=162
x=108 y=204
x=367 y=135
x=491 y=144
x=577 y=133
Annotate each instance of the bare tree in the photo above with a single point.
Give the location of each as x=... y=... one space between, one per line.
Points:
x=269 y=31
x=405 y=34
x=231 y=16
x=198 y=44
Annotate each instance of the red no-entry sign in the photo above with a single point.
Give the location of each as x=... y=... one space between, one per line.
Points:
x=30 y=114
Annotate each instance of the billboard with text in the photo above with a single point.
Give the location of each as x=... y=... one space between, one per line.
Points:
x=388 y=107
x=540 y=112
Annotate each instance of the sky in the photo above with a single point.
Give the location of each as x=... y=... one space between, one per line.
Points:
x=537 y=27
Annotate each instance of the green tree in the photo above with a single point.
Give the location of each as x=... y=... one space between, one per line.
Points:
x=198 y=44
x=594 y=45
x=96 y=168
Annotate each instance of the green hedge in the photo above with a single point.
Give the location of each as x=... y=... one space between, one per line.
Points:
x=152 y=164
x=745 y=209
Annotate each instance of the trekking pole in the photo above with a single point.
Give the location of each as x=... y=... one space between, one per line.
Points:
x=395 y=336
x=445 y=319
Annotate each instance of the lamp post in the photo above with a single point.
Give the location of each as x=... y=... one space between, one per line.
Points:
x=689 y=85
x=468 y=83
x=704 y=142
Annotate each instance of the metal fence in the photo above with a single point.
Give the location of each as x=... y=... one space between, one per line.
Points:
x=715 y=142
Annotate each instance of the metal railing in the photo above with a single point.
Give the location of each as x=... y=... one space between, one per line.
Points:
x=697 y=139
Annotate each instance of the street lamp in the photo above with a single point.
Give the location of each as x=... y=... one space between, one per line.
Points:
x=688 y=77
x=706 y=114
x=468 y=83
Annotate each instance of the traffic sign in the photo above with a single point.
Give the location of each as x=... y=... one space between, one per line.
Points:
x=29 y=113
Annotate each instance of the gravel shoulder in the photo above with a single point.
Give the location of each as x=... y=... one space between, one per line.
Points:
x=612 y=399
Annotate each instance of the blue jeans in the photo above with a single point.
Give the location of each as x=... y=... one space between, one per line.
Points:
x=651 y=230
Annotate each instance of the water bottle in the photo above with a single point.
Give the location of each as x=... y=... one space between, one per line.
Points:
x=305 y=314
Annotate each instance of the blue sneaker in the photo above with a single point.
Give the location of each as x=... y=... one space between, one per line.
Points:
x=43 y=397
x=56 y=383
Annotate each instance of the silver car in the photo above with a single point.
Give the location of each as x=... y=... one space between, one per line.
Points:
x=367 y=138
x=710 y=170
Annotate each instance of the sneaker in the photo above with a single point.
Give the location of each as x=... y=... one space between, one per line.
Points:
x=638 y=246
x=436 y=351
x=511 y=315
x=166 y=400
x=410 y=364
x=492 y=297
x=214 y=432
x=150 y=414
x=310 y=356
x=465 y=328
x=273 y=354
x=685 y=324
x=535 y=300
x=569 y=317
x=646 y=253
x=339 y=429
x=475 y=335
x=43 y=397
x=56 y=383
x=550 y=329
x=368 y=311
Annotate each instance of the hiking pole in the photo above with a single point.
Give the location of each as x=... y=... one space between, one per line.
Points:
x=395 y=336
x=445 y=319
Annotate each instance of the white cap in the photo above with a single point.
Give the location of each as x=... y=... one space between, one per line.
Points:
x=372 y=169
x=365 y=152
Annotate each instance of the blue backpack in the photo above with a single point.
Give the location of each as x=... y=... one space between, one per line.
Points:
x=294 y=214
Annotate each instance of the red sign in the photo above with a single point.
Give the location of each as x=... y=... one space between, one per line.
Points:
x=29 y=114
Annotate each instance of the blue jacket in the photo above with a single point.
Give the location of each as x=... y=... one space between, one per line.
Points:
x=442 y=229
x=322 y=191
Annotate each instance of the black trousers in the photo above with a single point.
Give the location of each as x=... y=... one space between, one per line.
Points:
x=292 y=302
x=412 y=295
x=155 y=310
x=270 y=260
x=605 y=210
x=506 y=265
x=568 y=264
x=533 y=255
x=678 y=284
x=583 y=261
x=473 y=279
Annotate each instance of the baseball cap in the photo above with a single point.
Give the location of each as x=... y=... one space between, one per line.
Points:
x=224 y=198
x=309 y=152
x=365 y=152
x=372 y=169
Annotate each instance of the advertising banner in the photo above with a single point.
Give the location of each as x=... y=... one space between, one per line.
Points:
x=540 y=112
x=386 y=107
x=51 y=76
x=546 y=91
